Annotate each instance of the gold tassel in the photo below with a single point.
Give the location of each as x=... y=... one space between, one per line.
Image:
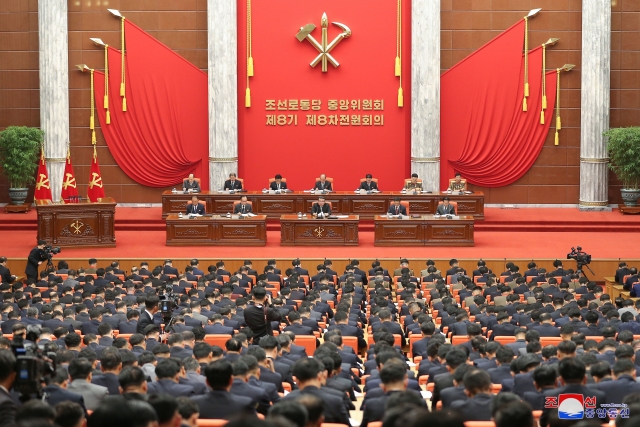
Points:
x=121 y=89
x=526 y=89
x=398 y=66
x=247 y=98
x=108 y=117
x=400 y=97
x=541 y=117
x=544 y=102
x=124 y=104
x=524 y=104
x=558 y=123
x=93 y=137
x=250 y=67
x=557 y=142
x=91 y=123
x=106 y=101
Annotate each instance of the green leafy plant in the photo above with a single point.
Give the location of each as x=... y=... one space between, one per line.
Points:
x=19 y=150
x=624 y=155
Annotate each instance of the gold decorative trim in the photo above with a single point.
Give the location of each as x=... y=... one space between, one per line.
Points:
x=425 y=159
x=583 y=203
x=223 y=159
x=56 y=159
x=594 y=159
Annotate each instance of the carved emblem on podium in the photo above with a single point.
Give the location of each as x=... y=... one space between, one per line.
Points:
x=77 y=226
x=319 y=232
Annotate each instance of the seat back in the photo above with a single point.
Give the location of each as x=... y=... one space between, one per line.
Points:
x=544 y=341
x=403 y=203
x=217 y=339
x=273 y=180
x=408 y=180
x=504 y=340
x=459 y=339
x=211 y=423
x=351 y=342
x=200 y=202
x=318 y=179
x=464 y=181
x=376 y=181
x=237 y=202
x=308 y=342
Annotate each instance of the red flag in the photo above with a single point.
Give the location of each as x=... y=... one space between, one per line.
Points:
x=69 y=192
x=43 y=187
x=96 y=190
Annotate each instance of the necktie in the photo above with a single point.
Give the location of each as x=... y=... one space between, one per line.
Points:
x=396 y=210
x=242 y=208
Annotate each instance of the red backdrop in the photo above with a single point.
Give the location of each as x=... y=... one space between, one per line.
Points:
x=282 y=72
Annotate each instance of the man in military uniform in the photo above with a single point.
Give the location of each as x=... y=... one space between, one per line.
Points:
x=413 y=184
x=458 y=184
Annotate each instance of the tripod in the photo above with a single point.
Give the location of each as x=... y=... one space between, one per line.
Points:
x=581 y=271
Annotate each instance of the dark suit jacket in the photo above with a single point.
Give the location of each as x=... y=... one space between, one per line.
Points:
x=334 y=409
x=271 y=377
x=400 y=211
x=441 y=382
x=452 y=394
x=255 y=315
x=547 y=330
x=320 y=186
x=198 y=209
x=375 y=408
x=274 y=185
x=364 y=185
x=616 y=390
x=236 y=185
x=186 y=185
x=108 y=380
x=325 y=209
x=8 y=409
x=242 y=209
x=445 y=210
x=500 y=373
x=56 y=394
x=218 y=329
x=170 y=387
x=220 y=404
x=257 y=394
x=144 y=321
x=477 y=408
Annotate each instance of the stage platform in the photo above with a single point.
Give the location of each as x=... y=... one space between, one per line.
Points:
x=541 y=233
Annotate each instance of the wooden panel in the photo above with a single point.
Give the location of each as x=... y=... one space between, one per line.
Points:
x=449 y=233
x=216 y=231
x=296 y=231
x=399 y=233
x=425 y=231
x=81 y=224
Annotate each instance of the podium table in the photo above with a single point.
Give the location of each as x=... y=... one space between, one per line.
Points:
x=366 y=206
x=216 y=230
x=308 y=231
x=77 y=224
x=424 y=231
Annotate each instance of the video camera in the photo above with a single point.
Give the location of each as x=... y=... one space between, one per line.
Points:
x=582 y=258
x=168 y=302
x=50 y=251
x=34 y=363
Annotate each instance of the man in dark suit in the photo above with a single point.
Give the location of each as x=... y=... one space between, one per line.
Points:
x=572 y=373
x=5 y=274
x=504 y=356
x=191 y=184
x=219 y=403
x=259 y=315
x=296 y=325
x=8 y=407
x=309 y=377
x=368 y=184
x=396 y=208
x=544 y=378
x=146 y=316
x=243 y=207
x=232 y=183
x=168 y=371
x=446 y=208
x=321 y=209
x=546 y=328
x=477 y=385
x=110 y=363
x=323 y=184
x=56 y=391
x=624 y=372
x=392 y=327
x=342 y=322
x=241 y=387
x=419 y=348
x=36 y=257
x=455 y=357
x=216 y=326
x=195 y=207
x=278 y=184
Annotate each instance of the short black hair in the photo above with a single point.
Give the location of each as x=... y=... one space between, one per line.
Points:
x=187 y=407
x=68 y=414
x=7 y=364
x=545 y=376
x=219 y=374
x=306 y=369
x=571 y=370
x=514 y=414
x=131 y=376
x=292 y=410
x=476 y=381
x=167 y=368
x=165 y=406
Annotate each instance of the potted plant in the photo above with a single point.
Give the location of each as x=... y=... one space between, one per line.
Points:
x=19 y=149
x=624 y=160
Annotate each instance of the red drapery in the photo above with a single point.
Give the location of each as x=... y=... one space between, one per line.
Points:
x=163 y=135
x=485 y=135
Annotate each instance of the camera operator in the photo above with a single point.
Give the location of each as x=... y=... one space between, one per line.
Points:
x=5 y=274
x=36 y=257
x=258 y=315
x=146 y=317
x=8 y=407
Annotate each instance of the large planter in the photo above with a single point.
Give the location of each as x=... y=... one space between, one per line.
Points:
x=630 y=196
x=19 y=195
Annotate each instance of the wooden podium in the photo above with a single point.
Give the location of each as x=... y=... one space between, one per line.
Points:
x=308 y=231
x=427 y=230
x=77 y=224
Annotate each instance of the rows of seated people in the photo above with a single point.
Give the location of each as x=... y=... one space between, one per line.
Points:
x=393 y=347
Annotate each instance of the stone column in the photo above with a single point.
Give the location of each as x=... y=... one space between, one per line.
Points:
x=425 y=92
x=594 y=103
x=54 y=87
x=223 y=90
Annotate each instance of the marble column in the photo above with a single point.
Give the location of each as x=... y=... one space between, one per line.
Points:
x=223 y=90
x=594 y=103
x=425 y=92
x=54 y=87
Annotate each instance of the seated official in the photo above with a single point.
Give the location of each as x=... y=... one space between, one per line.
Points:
x=413 y=184
x=232 y=183
x=323 y=184
x=243 y=207
x=320 y=209
x=396 y=208
x=368 y=184
x=195 y=207
x=278 y=184
x=446 y=208
x=458 y=184
x=191 y=184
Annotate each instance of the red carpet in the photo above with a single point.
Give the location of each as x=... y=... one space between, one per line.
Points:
x=505 y=233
